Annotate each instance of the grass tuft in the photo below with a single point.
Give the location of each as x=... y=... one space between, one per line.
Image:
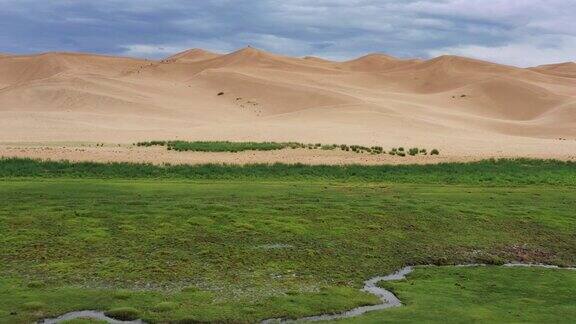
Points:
x=123 y=314
x=34 y=306
x=164 y=307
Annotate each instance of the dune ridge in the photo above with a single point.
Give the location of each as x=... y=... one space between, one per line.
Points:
x=451 y=102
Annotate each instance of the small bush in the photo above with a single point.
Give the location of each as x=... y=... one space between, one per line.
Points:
x=413 y=151
x=434 y=152
x=123 y=314
x=400 y=149
x=377 y=149
x=402 y=154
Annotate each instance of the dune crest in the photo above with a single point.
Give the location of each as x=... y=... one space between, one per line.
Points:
x=192 y=55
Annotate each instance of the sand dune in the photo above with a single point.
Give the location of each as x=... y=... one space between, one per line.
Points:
x=453 y=103
x=567 y=69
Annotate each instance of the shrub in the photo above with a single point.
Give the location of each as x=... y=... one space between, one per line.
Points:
x=377 y=149
x=401 y=154
x=294 y=145
x=434 y=152
x=413 y=151
x=123 y=314
x=423 y=151
x=401 y=149
x=152 y=143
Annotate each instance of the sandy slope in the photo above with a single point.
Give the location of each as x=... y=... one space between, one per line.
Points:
x=463 y=106
x=567 y=69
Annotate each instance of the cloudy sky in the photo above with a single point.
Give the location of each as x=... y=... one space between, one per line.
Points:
x=517 y=32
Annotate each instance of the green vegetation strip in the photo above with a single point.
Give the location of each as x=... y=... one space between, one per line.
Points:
x=227 y=146
x=488 y=172
x=220 y=146
x=241 y=244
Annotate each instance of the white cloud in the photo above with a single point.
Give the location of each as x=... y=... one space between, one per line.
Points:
x=524 y=54
x=519 y=32
x=151 y=51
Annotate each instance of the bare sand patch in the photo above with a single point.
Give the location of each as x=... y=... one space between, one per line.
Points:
x=160 y=155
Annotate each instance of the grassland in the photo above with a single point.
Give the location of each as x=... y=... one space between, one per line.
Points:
x=481 y=295
x=240 y=244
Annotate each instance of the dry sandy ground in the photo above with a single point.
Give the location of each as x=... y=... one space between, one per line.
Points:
x=468 y=109
x=160 y=155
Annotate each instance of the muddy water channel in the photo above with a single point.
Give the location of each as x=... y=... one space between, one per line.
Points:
x=95 y=315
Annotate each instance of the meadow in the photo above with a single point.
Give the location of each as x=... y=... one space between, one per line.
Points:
x=481 y=295
x=223 y=243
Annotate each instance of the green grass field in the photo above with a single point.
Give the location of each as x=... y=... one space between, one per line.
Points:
x=241 y=244
x=481 y=295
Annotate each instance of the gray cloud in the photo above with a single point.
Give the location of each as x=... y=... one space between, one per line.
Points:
x=519 y=32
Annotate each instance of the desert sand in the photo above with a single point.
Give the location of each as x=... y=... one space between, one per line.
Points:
x=469 y=109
